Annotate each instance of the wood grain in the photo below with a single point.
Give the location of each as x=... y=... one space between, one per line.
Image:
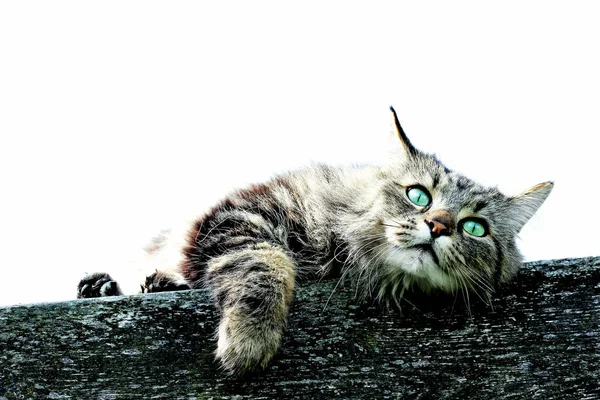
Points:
x=539 y=340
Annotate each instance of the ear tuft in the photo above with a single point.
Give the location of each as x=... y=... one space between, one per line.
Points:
x=408 y=147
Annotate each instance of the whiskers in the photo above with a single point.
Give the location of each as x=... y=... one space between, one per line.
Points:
x=391 y=225
x=372 y=266
x=399 y=225
x=359 y=266
x=469 y=280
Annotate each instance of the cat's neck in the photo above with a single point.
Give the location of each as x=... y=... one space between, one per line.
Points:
x=362 y=187
x=356 y=198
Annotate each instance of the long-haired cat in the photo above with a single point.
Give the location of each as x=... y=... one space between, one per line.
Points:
x=411 y=223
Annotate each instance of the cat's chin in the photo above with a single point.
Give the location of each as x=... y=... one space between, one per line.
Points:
x=418 y=266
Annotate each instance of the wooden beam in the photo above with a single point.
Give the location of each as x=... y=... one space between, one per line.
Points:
x=540 y=340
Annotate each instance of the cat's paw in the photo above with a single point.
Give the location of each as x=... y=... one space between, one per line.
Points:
x=97 y=285
x=163 y=282
x=246 y=344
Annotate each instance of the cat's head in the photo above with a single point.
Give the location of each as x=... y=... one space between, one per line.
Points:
x=446 y=231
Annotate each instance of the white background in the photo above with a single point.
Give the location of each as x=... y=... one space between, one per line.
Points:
x=118 y=118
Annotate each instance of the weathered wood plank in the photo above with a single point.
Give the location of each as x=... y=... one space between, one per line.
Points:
x=540 y=340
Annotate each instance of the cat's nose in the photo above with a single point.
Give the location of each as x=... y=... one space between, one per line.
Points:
x=440 y=223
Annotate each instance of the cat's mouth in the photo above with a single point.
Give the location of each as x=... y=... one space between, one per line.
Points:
x=427 y=248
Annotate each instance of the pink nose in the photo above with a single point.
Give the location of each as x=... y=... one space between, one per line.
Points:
x=440 y=223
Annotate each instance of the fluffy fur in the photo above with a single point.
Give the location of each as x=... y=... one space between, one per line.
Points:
x=356 y=223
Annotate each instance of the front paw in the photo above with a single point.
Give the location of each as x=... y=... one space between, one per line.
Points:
x=163 y=282
x=246 y=344
x=97 y=285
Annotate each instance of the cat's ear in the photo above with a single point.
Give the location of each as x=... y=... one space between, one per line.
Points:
x=524 y=205
x=409 y=149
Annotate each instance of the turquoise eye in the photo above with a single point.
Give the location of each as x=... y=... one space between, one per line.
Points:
x=418 y=196
x=474 y=228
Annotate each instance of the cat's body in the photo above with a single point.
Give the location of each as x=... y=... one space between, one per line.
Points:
x=411 y=223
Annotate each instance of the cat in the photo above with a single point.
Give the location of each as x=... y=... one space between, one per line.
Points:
x=412 y=223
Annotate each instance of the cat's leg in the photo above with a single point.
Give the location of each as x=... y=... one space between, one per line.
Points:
x=253 y=288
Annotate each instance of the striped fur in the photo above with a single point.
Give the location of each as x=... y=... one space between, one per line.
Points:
x=354 y=223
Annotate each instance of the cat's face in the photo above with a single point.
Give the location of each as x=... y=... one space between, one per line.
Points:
x=445 y=231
